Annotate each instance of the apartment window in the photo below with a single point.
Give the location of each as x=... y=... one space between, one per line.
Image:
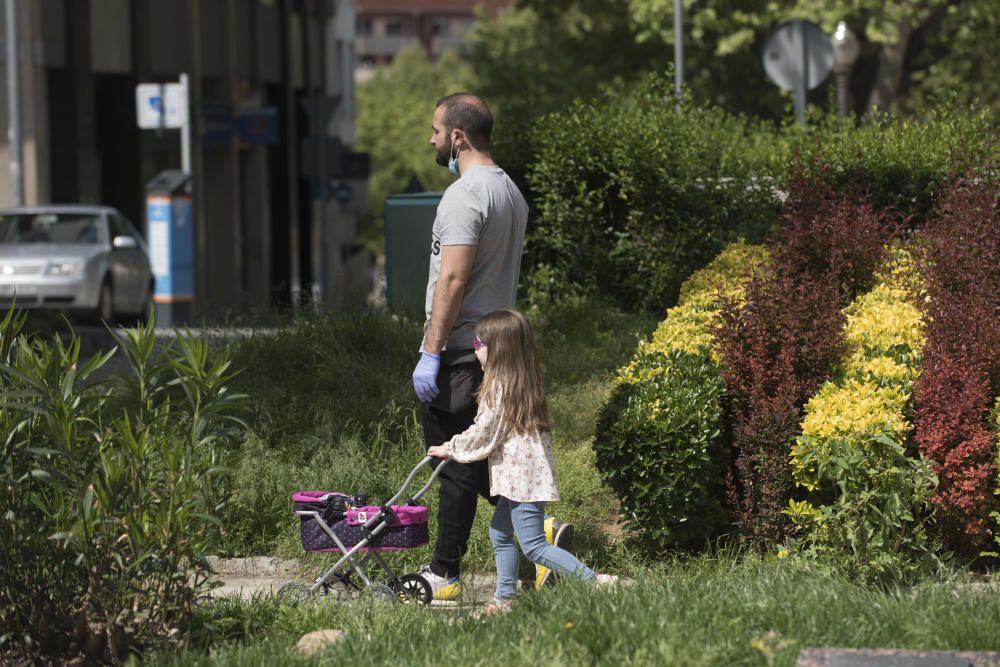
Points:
x=364 y=26
x=440 y=27
x=394 y=26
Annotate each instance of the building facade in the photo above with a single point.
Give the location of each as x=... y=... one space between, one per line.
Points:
x=386 y=26
x=275 y=190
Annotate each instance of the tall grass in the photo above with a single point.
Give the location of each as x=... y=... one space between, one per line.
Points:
x=335 y=410
x=722 y=609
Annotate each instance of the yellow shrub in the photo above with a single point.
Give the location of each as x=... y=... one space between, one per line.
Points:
x=885 y=333
x=881 y=321
x=688 y=325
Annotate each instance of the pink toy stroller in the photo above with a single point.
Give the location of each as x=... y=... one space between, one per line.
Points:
x=338 y=522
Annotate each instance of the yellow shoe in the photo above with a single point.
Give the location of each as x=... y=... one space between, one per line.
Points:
x=557 y=533
x=443 y=589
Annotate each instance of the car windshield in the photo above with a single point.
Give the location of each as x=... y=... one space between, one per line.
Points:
x=20 y=228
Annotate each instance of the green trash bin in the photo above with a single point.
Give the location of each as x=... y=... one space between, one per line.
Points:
x=409 y=220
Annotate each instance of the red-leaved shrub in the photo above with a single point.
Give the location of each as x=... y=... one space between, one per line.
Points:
x=960 y=265
x=783 y=340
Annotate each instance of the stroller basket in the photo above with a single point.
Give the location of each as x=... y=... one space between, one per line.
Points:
x=408 y=530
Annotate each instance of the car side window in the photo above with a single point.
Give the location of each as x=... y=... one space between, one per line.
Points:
x=114 y=227
x=120 y=227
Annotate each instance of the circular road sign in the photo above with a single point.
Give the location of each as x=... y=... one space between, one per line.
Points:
x=795 y=49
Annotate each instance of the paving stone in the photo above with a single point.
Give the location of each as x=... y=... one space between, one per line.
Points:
x=314 y=642
x=848 y=657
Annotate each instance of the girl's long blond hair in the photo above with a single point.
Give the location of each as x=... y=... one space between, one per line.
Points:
x=512 y=367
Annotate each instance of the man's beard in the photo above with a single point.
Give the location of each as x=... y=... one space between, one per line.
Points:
x=443 y=154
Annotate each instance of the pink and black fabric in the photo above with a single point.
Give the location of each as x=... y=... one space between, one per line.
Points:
x=407 y=531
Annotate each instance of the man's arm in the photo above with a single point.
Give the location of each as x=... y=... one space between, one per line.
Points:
x=456 y=266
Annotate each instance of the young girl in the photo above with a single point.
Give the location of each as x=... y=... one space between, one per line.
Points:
x=512 y=431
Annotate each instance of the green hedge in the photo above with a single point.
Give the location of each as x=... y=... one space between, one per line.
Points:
x=632 y=196
x=658 y=446
x=899 y=163
x=630 y=200
x=659 y=437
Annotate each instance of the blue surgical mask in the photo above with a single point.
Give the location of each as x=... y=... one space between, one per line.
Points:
x=453 y=161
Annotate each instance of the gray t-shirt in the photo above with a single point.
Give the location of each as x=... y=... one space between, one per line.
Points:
x=483 y=208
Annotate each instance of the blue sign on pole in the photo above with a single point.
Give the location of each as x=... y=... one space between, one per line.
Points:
x=258 y=126
x=171 y=246
x=343 y=193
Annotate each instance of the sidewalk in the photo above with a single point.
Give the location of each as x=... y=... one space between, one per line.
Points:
x=263 y=575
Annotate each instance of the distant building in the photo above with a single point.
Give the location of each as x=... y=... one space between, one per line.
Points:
x=386 y=26
x=271 y=86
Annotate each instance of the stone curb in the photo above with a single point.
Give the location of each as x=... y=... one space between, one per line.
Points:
x=827 y=657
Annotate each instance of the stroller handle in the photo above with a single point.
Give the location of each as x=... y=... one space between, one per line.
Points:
x=427 y=460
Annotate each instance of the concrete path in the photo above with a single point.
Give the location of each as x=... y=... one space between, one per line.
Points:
x=247 y=577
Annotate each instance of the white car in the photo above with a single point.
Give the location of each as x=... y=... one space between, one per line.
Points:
x=80 y=259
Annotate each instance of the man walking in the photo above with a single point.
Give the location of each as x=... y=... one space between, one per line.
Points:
x=475 y=260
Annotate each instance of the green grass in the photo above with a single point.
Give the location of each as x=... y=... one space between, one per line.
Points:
x=335 y=410
x=710 y=610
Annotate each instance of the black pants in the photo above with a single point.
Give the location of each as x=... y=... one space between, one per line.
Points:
x=460 y=484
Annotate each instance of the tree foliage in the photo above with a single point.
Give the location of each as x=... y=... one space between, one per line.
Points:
x=395 y=108
x=543 y=53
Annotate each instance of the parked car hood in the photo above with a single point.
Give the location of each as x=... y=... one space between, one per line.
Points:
x=47 y=251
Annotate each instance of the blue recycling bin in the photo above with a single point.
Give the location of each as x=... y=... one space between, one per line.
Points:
x=170 y=237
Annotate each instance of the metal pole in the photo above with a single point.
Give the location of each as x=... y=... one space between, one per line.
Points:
x=185 y=126
x=802 y=81
x=14 y=106
x=320 y=239
x=678 y=51
x=841 y=75
x=291 y=167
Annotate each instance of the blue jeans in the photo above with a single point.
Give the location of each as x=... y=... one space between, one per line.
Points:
x=527 y=521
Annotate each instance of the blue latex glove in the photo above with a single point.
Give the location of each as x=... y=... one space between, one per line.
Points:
x=425 y=376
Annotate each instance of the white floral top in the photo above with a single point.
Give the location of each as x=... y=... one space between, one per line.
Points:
x=522 y=467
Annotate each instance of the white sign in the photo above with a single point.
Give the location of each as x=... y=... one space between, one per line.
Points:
x=159 y=247
x=160 y=105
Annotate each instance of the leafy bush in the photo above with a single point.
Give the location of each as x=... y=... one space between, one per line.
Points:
x=633 y=196
x=112 y=489
x=658 y=444
x=869 y=495
x=899 y=163
x=781 y=342
x=995 y=421
x=658 y=440
x=961 y=377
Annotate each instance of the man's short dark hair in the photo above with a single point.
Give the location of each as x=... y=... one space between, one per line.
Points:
x=468 y=112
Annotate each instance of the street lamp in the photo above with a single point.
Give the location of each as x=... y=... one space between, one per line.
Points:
x=845 y=52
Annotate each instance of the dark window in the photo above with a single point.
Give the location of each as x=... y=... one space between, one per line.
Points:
x=119 y=226
x=393 y=26
x=364 y=25
x=440 y=27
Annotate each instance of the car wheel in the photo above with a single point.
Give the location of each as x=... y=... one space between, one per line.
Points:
x=105 y=312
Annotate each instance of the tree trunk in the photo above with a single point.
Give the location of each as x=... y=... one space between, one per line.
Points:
x=890 y=69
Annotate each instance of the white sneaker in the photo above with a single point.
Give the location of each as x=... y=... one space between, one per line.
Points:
x=443 y=589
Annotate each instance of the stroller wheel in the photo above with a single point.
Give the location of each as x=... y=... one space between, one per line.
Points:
x=383 y=593
x=293 y=593
x=413 y=588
